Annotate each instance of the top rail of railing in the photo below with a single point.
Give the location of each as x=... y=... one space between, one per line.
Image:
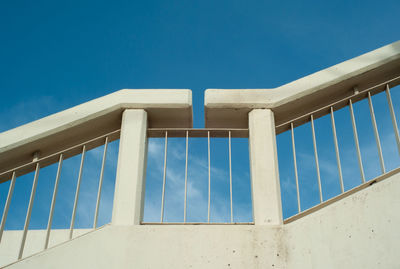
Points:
x=324 y=110
x=317 y=92
x=63 y=130
x=44 y=161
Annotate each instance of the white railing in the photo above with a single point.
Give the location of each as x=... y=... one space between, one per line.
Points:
x=39 y=163
x=86 y=132
x=135 y=116
x=303 y=183
x=226 y=136
x=305 y=101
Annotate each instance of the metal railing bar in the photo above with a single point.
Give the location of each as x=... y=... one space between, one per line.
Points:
x=393 y=117
x=29 y=212
x=337 y=103
x=53 y=201
x=164 y=177
x=209 y=177
x=230 y=175
x=376 y=133
x=64 y=151
x=357 y=144
x=181 y=132
x=186 y=175
x=295 y=169
x=103 y=162
x=339 y=166
x=7 y=205
x=78 y=186
x=316 y=159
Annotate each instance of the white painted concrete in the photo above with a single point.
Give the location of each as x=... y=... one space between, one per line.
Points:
x=35 y=240
x=165 y=108
x=267 y=208
x=130 y=180
x=229 y=108
x=360 y=231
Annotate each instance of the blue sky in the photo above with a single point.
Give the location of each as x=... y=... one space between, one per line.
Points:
x=55 y=55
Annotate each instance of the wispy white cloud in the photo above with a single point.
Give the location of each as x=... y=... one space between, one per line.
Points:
x=197 y=190
x=329 y=169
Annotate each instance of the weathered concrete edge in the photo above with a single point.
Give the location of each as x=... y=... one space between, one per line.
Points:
x=149 y=100
x=295 y=242
x=240 y=101
x=52 y=134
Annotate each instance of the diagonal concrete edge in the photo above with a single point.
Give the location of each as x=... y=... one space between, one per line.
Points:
x=229 y=108
x=165 y=108
x=359 y=231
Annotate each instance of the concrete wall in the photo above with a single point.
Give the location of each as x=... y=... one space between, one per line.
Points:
x=359 y=231
x=11 y=242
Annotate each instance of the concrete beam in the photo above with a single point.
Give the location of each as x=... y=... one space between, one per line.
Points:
x=165 y=108
x=229 y=108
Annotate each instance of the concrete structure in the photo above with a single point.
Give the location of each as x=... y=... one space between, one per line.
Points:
x=357 y=229
x=229 y=108
x=129 y=189
x=332 y=237
x=267 y=209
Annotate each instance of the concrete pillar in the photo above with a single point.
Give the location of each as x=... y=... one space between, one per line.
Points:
x=267 y=208
x=130 y=179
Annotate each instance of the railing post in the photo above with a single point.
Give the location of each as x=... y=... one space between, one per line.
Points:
x=130 y=179
x=267 y=208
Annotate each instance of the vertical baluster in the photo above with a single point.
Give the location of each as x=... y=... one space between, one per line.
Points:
x=353 y=122
x=230 y=175
x=295 y=169
x=7 y=205
x=53 y=201
x=186 y=174
x=339 y=166
x=78 y=186
x=30 y=206
x=164 y=177
x=376 y=133
x=96 y=212
x=209 y=177
x=393 y=116
x=316 y=158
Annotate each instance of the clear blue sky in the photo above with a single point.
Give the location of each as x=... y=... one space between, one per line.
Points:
x=54 y=55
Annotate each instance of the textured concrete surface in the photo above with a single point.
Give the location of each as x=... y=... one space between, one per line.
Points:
x=359 y=231
x=165 y=108
x=229 y=108
x=266 y=194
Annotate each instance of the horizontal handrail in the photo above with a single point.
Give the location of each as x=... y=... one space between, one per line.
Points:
x=214 y=132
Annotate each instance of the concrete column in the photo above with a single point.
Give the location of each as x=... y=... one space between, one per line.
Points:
x=130 y=180
x=267 y=208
